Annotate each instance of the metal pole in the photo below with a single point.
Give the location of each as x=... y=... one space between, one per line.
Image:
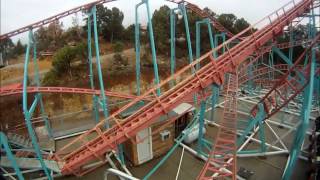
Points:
x=26 y=111
x=201 y=126
x=94 y=97
x=6 y=146
x=137 y=48
x=37 y=80
x=186 y=25
x=172 y=45
x=103 y=100
x=305 y=112
x=153 y=48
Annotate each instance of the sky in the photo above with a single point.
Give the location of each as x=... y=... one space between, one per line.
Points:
x=18 y=13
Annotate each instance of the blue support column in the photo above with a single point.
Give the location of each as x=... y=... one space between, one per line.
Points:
x=153 y=48
x=186 y=25
x=253 y=121
x=5 y=145
x=26 y=111
x=95 y=98
x=201 y=126
x=271 y=63
x=213 y=44
x=120 y=153
x=291 y=41
x=250 y=82
x=152 y=44
x=137 y=48
x=305 y=111
x=172 y=44
x=216 y=41
x=38 y=84
x=198 y=37
x=301 y=130
x=103 y=100
x=287 y=60
x=181 y=137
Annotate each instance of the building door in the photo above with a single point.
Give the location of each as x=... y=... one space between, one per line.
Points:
x=144 y=147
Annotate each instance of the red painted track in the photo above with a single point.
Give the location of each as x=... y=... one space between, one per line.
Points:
x=203 y=14
x=7 y=91
x=92 y=145
x=52 y=19
x=225 y=147
x=277 y=97
x=86 y=7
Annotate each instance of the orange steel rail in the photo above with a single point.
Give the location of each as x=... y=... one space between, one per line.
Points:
x=52 y=18
x=91 y=146
x=284 y=84
x=223 y=154
x=84 y=7
x=18 y=90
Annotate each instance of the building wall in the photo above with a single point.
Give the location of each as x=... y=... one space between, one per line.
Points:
x=159 y=147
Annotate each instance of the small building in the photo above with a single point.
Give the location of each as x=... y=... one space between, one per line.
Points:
x=157 y=139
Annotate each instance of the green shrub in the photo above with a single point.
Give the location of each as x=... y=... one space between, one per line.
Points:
x=117 y=47
x=119 y=60
x=50 y=79
x=62 y=60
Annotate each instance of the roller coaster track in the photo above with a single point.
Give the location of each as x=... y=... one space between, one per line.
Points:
x=91 y=146
x=204 y=14
x=53 y=18
x=260 y=72
x=275 y=99
x=89 y=5
x=223 y=154
x=18 y=90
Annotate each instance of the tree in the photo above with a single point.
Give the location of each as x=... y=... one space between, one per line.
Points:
x=240 y=25
x=228 y=20
x=128 y=33
x=109 y=23
x=6 y=47
x=50 y=79
x=117 y=47
x=161 y=28
x=51 y=37
x=62 y=60
x=19 y=48
x=209 y=11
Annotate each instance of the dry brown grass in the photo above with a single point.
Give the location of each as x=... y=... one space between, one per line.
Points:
x=14 y=72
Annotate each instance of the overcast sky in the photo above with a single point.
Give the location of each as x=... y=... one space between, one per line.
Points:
x=19 y=13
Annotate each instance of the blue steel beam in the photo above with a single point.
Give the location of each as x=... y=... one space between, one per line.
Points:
x=253 y=121
x=4 y=143
x=172 y=44
x=26 y=112
x=181 y=137
x=103 y=99
x=213 y=44
x=38 y=84
x=95 y=98
x=305 y=110
x=201 y=126
x=182 y=7
x=152 y=44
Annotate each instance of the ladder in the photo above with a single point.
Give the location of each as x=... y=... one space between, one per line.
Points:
x=223 y=154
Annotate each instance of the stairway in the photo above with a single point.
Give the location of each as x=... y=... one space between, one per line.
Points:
x=223 y=154
x=19 y=140
x=30 y=163
x=92 y=145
